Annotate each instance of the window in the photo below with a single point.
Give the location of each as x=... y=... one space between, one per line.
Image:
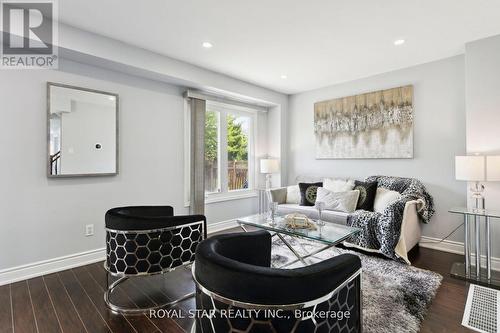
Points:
x=229 y=149
x=238 y=133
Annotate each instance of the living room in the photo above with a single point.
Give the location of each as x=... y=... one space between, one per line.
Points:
x=196 y=124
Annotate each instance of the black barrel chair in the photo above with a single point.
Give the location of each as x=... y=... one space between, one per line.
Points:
x=233 y=278
x=147 y=240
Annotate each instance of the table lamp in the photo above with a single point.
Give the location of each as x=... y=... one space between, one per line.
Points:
x=269 y=166
x=472 y=168
x=493 y=168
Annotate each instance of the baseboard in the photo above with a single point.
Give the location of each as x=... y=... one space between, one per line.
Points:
x=445 y=245
x=28 y=271
x=221 y=226
x=456 y=248
x=32 y=270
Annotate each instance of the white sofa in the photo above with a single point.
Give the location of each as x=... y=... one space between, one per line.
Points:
x=411 y=229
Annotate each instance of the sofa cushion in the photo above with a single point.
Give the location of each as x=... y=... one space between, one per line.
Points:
x=367 y=192
x=308 y=193
x=311 y=212
x=384 y=198
x=340 y=201
x=338 y=185
x=277 y=195
x=293 y=194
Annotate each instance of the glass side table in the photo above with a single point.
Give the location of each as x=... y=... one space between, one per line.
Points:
x=471 y=270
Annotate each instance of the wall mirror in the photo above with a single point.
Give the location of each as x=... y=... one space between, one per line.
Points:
x=82 y=132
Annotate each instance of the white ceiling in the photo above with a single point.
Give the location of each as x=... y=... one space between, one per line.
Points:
x=315 y=43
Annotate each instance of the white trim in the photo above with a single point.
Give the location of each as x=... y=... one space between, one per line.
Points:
x=445 y=246
x=44 y=267
x=253 y=174
x=221 y=106
x=221 y=197
x=223 y=111
x=221 y=226
x=456 y=248
x=49 y=266
x=231 y=195
x=241 y=102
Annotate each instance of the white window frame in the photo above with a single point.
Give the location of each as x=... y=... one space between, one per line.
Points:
x=225 y=194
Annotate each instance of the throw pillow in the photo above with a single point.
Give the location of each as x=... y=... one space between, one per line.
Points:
x=308 y=193
x=367 y=192
x=293 y=194
x=384 y=198
x=339 y=201
x=338 y=185
x=277 y=195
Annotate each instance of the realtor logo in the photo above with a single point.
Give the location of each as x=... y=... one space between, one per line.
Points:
x=29 y=33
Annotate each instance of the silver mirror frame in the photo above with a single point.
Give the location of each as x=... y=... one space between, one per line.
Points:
x=117 y=149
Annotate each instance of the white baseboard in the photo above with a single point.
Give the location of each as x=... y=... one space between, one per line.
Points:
x=28 y=271
x=39 y=268
x=445 y=246
x=457 y=248
x=221 y=226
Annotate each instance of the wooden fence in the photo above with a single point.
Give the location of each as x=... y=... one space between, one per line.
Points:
x=237 y=176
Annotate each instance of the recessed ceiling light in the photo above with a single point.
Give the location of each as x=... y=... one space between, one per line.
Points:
x=398 y=42
x=283 y=76
x=207 y=45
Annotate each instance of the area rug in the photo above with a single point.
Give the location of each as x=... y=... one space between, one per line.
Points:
x=395 y=296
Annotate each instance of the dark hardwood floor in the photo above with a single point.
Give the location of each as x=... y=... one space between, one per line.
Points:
x=72 y=301
x=446 y=311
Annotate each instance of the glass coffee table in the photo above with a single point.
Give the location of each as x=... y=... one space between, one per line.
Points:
x=329 y=234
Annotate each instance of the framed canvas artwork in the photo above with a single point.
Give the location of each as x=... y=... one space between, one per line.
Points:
x=378 y=124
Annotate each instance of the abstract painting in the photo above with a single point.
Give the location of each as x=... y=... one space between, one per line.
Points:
x=378 y=124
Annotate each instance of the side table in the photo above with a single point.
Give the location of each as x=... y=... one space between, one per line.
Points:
x=471 y=270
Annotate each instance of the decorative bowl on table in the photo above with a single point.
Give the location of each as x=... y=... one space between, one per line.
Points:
x=299 y=221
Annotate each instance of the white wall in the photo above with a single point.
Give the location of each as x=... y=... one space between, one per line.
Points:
x=482 y=63
x=44 y=218
x=439 y=135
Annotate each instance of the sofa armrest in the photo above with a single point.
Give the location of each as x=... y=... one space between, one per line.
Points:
x=277 y=195
x=411 y=229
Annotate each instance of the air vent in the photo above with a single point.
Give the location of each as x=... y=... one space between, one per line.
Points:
x=482 y=309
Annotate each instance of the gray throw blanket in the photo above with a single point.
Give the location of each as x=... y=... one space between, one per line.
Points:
x=381 y=231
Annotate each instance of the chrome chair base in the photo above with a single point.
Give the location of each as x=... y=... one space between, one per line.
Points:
x=128 y=311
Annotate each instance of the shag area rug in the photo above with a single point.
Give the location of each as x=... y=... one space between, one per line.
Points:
x=396 y=296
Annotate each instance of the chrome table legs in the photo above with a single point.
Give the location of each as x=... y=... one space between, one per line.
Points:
x=488 y=249
x=466 y=245
x=473 y=269
x=478 y=247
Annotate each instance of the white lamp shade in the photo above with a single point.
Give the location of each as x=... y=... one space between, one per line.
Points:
x=269 y=166
x=493 y=168
x=470 y=168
